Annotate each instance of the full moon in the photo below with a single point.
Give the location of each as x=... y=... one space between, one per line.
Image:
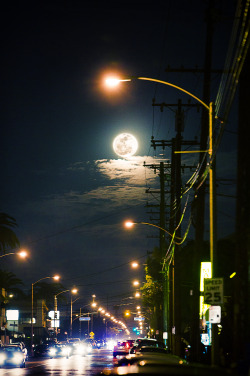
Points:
x=125 y=145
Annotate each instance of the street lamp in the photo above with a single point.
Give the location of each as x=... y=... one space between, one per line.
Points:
x=136 y=283
x=73 y=291
x=134 y=265
x=55 y=307
x=56 y=278
x=130 y=224
x=115 y=81
x=22 y=254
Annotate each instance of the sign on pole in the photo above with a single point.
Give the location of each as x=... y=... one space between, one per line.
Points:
x=215 y=314
x=84 y=318
x=213 y=291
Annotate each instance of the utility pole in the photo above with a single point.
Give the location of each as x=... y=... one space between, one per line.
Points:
x=165 y=274
x=172 y=285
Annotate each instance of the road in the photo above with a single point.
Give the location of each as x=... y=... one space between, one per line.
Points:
x=75 y=365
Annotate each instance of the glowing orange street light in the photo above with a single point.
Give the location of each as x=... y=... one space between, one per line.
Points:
x=134 y=264
x=136 y=283
x=22 y=254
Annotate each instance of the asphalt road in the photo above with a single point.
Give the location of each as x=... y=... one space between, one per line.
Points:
x=76 y=365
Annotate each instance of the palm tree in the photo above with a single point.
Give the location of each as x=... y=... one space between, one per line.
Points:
x=8 y=239
x=9 y=282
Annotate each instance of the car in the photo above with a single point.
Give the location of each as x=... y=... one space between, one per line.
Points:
x=12 y=355
x=60 y=350
x=41 y=350
x=82 y=348
x=148 y=342
x=99 y=344
x=147 y=350
x=122 y=348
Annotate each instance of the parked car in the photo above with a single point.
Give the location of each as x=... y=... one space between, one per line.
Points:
x=12 y=355
x=148 y=342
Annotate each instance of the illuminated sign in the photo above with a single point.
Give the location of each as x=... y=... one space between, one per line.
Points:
x=206 y=272
x=54 y=315
x=12 y=314
x=215 y=314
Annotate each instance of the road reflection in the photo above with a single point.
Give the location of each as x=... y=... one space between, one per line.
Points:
x=76 y=365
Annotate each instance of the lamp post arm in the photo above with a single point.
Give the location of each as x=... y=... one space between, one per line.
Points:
x=61 y=292
x=40 y=280
x=7 y=254
x=176 y=87
x=161 y=228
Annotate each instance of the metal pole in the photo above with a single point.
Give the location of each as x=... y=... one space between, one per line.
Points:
x=88 y=326
x=214 y=345
x=31 y=335
x=80 y=329
x=55 y=310
x=211 y=185
x=71 y=318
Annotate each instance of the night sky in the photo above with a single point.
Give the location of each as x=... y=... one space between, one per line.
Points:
x=60 y=178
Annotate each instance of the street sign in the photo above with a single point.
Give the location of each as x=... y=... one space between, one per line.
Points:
x=84 y=318
x=139 y=318
x=215 y=314
x=91 y=334
x=213 y=291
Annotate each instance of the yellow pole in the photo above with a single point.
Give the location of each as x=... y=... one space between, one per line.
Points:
x=211 y=187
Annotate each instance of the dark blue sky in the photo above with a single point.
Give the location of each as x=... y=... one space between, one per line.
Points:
x=60 y=178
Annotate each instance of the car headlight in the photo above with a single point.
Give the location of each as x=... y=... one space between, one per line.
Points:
x=66 y=350
x=52 y=352
x=80 y=349
x=2 y=358
x=17 y=358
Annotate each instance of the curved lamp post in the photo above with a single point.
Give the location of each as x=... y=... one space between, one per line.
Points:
x=21 y=254
x=56 y=278
x=115 y=81
x=55 y=306
x=73 y=291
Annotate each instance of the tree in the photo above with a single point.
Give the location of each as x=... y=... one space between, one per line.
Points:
x=152 y=295
x=47 y=291
x=8 y=239
x=10 y=282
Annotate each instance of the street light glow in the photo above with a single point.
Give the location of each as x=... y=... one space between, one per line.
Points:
x=22 y=254
x=134 y=264
x=129 y=224
x=74 y=291
x=113 y=82
x=56 y=277
x=136 y=283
